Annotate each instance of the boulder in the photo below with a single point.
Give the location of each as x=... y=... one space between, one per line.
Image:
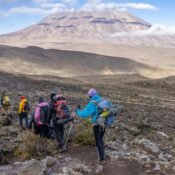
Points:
x=49 y=161
x=134 y=131
x=33 y=167
x=99 y=170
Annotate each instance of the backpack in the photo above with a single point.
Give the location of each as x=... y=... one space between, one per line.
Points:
x=26 y=107
x=44 y=114
x=6 y=100
x=106 y=112
x=62 y=109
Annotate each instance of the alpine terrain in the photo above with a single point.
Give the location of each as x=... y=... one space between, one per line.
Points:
x=109 y=74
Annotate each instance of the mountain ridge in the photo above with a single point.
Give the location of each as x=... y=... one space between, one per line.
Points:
x=66 y=63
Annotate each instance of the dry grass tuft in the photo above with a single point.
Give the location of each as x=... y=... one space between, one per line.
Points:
x=84 y=134
x=33 y=146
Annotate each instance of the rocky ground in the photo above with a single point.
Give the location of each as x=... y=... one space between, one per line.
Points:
x=141 y=143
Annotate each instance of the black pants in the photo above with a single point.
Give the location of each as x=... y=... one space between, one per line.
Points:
x=59 y=134
x=23 y=115
x=42 y=130
x=99 y=133
x=32 y=121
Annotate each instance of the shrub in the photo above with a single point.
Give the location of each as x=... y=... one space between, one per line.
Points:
x=84 y=135
x=33 y=146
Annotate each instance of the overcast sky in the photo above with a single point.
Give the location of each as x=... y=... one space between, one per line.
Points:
x=17 y=14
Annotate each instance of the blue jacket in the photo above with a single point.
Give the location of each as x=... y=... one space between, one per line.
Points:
x=91 y=110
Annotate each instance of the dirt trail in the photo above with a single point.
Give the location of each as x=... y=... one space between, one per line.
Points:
x=88 y=156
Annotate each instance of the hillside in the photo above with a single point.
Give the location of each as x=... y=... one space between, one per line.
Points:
x=38 y=61
x=141 y=142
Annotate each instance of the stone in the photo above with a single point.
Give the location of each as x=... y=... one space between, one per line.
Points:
x=49 y=161
x=33 y=167
x=99 y=170
x=150 y=146
x=5 y=121
x=162 y=135
x=134 y=131
x=82 y=168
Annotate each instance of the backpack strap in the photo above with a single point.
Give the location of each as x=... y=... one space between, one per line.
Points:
x=97 y=107
x=96 y=103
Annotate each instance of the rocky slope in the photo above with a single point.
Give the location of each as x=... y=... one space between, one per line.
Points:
x=141 y=143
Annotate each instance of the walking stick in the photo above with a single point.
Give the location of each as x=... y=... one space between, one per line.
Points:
x=68 y=134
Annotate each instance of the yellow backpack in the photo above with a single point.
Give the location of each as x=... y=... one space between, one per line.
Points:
x=6 y=100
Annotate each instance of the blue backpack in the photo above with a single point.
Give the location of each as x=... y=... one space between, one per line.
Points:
x=107 y=112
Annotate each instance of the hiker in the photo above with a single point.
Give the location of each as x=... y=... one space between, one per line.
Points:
x=52 y=114
x=62 y=115
x=91 y=110
x=52 y=110
x=5 y=103
x=23 y=111
x=41 y=118
x=32 y=123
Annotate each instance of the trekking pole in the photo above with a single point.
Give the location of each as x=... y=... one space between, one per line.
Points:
x=68 y=134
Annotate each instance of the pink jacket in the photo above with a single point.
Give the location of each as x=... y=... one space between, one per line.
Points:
x=37 y=112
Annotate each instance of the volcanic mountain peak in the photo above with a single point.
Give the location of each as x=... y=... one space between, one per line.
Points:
x=88 y=22
x=88 y=27
x=80 y=25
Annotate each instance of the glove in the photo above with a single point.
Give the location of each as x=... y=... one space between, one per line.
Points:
x=78 y=107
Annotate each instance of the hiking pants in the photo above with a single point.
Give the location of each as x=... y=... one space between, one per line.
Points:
x=59 y=134
x=99 y=133
x=32 y=120
x=44 y=130
x=23 y=115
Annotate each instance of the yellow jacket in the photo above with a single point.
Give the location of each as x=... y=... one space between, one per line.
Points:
x=21 y=106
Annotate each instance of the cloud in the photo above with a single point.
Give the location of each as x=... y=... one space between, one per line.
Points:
x=50 y=6
x=42 y=1
x=32 y=11
x=141 y=6
x=96 y=5
x=53 y=5
x=94 y=1
x=69 y=1
x=155 y=30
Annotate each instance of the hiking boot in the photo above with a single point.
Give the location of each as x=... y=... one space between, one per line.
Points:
x=22 y=129
x=102 y=162
x=63 y=149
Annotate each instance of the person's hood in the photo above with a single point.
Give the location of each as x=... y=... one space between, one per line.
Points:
x=43 y=104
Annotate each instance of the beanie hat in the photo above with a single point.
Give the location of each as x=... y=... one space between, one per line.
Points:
x=52 y=95
x=23 y=97
x=41 y=100
x=92 y=92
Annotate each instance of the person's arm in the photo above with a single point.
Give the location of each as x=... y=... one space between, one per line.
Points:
x=20 y=107
x=87 y=111
x=37 y=113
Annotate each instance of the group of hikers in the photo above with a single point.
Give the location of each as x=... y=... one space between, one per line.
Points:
x=49 y=118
